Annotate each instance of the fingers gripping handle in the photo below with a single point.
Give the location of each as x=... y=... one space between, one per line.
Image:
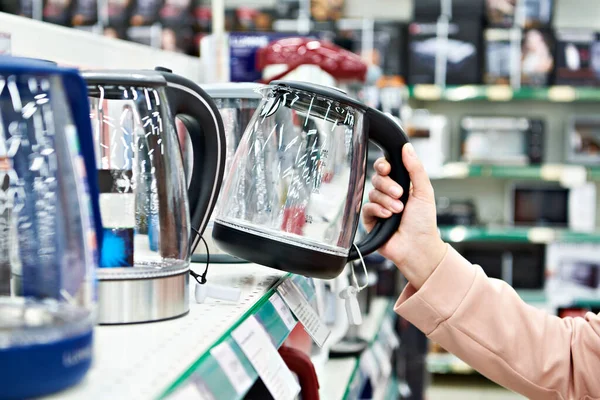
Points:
x=203 y=122
x=386 y=133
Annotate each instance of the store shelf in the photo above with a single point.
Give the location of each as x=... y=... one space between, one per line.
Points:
x=73 y=47
x=156 y=360
x=456 y=234
x=446 y=363
x=344 y=378
x=503 y=93
x=569 y=175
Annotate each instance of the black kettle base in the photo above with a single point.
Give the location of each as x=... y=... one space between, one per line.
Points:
x=278 y=255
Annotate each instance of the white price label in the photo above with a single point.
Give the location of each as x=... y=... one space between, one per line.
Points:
x=283 y=311
x=390 y=335
x=232 y=367
x=384 y=358
x=368 y=363
x=304 y=312
x=256 y=345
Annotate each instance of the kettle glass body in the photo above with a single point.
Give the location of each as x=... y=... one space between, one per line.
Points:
x=294 y=192
x=48 y=222
x=151 y=215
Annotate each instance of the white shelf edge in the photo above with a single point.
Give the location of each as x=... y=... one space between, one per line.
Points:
x=76 y=48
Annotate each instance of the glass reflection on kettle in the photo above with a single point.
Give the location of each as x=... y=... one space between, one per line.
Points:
x=292 y=199
x=145 y=200
x=49 y=227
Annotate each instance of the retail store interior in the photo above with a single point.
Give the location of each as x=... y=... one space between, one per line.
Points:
x=187 y=224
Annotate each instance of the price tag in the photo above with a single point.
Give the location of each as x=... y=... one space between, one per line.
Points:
x=384 y=358
x=192 y=391
x=232 y=367
x=284 y=312
x=256 y=345
x=368 y=364
x=304 y=312
x=390 y=334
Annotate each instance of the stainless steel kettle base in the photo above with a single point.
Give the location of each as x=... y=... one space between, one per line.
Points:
x=152 y=297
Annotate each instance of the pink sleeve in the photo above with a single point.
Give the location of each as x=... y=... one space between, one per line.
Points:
x=485 y=323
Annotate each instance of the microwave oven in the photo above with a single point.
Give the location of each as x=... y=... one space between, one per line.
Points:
x=583 y=140
x=552 y=205
x=502 y=140
x=521 y=265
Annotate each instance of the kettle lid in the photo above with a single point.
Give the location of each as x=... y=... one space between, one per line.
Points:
x=328 y=92
x=26 y=65
x=234 y=90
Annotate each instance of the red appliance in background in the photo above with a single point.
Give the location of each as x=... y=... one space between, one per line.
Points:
x=342 y=64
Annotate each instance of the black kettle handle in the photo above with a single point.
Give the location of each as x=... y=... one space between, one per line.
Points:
x=201 y=117
x=388 y=135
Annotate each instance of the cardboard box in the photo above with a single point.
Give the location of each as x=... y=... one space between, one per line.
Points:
x=577 y=57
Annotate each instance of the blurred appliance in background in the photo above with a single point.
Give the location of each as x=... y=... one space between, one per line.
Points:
x=144 y=23
x=445 y=52
x=577 y=57
x=551 y=205
x=430 y=136
x=456 y=9
x=237 y=103
x=502 y=140
x=176 y=19
x=85 y=15
x=583 y=140
x=517 y=57
x=58 y=12
x=381 y=43
x=522 y=13
x=118 y=14
x=521 y=265
x=573 y=271
x=455 y=212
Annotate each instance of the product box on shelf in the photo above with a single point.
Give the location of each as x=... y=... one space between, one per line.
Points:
x=326 y=10
x=429 y=47
x=58 y=12
x=425 y=10
x=577 y=57
x=583 y=140
x=145 y=27
x=522 y=13
x=521 y=265
x=552 y=205
x=118 y=18
x=389 y=49
x=85 y=13
x=250 y=19
x=429 y=134
x=502 y=140
x=177 y=22
x=518 y=57
x=145 y=12
x=573 y=271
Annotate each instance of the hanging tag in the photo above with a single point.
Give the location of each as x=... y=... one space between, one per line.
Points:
x=284 y=312
x=257 y=346
x=232 y=367
x=352 y=306
x=304 y=312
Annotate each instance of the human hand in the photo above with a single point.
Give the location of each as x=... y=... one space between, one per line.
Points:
x=416 y=247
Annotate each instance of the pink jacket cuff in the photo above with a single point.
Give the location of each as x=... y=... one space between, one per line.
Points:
x=437 y=301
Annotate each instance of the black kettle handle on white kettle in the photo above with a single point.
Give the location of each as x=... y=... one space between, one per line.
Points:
x=201 y=117
x=388 y=135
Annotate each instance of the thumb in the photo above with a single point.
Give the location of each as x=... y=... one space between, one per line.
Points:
x=422 y=188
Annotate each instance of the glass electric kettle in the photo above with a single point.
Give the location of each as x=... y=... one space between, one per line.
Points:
x=49 y=226
x=144 y=271
x=237 y=103
x=293 y=197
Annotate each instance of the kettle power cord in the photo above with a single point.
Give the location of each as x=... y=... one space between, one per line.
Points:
x=200 y=278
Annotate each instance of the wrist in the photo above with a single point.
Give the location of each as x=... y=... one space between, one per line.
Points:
x=418 y=269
